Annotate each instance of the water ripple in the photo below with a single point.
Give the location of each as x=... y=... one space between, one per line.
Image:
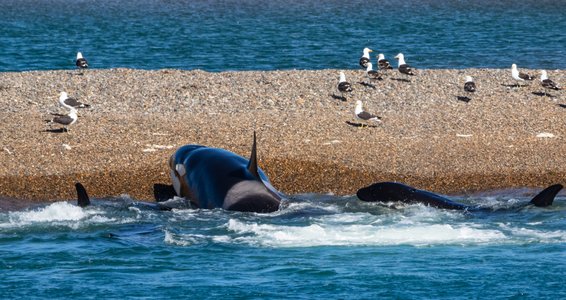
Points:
x=236 y=35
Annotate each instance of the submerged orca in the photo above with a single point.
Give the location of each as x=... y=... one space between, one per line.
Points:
x=217 y=178
x=398 y=192
x=83 y=200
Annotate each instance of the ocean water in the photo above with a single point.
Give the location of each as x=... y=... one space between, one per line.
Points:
x=315 y=247
x=220 y=35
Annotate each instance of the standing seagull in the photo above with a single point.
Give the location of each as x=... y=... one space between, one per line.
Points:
x=547 y=83
x=364 y=60
x=65 y=120
x=383 y=63
x=344 y=86
x=69 y=103
x=371 y=73
x=81 y=61
x=364 y=115
x=403 y=67
x=519 y=76
x=469 y=86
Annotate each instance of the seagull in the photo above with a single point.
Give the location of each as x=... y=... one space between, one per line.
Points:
x=365 y=58
x=383 y=63
x=65 y=120
x=81 y=61
x=403 y=67
x=343 y=85
x=69 y=103
x=547 y=83
x=364 y=115
x=371 y=73
x=469 y=86
x=519 y=76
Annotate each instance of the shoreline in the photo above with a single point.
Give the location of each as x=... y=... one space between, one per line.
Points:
x=428 y=139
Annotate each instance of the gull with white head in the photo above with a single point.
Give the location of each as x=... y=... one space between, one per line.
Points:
x=469 y=88
x=469 y=85
x=372 y=74
x=68 y=102
x=519 y=76
x=81 y=62
x=365 y=58
x=364 y=115
x=547 y=84
x=65 y=120
x=383 y=63
x=344 y=86
x=403 y=67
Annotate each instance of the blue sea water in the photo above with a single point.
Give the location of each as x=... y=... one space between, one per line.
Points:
x=220 y=35
x=316 y=246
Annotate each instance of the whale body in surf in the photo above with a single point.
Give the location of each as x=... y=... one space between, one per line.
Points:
x=387 y=192
x=217 y=178
x=83 y=200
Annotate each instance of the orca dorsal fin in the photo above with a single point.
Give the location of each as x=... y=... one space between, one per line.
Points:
x=252 y=163
x=546 y=197
x=82 y=196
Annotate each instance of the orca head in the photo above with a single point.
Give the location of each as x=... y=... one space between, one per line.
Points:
x=177 y=169
x=386 y=192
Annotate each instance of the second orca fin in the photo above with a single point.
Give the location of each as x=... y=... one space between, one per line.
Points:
x=546 y=197
x=82 y=197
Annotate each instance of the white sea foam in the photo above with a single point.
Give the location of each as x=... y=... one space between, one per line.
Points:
x=185 y=214
x=353 y=235
x=181 y=239
x=61 y=214
x=349 y=218
x=416 y=213
x=58 y=211
x=307 y=206
x=534 y=235
x=173 y=239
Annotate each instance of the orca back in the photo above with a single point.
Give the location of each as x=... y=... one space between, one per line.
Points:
x=398 y=192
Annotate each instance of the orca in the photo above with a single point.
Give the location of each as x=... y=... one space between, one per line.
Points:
x=83 y=200
x=397 y=192
x=210 y=178
x=216 y=178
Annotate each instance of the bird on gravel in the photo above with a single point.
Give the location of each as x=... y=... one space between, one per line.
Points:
x=364 y=115
x=65 y=120
x=344 y=86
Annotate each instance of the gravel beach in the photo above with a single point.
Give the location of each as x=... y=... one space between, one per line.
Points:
x=504 y=137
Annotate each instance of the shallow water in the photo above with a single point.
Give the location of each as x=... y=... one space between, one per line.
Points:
x=319 y=246
x=316 y=246
x=219 y=35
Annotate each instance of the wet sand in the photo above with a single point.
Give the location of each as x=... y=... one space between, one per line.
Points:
x=504 y=137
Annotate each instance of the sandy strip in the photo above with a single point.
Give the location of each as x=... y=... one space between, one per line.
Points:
x=504 y=137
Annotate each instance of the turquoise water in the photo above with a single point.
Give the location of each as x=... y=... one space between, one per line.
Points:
x=316 y=246
x=219 y=35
